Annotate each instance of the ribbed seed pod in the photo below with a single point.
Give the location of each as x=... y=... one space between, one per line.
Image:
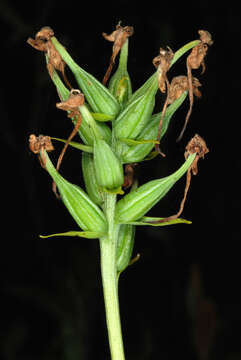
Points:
x=125 y=246
x=138 y=152
x=136 y=115
x=85 y=133
x=98 y=96
x=108 y=168
x=85 y=212
x=91 y=185
x=137 y=203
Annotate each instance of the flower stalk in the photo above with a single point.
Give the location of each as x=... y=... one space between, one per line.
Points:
x=108 y=248
x=117 y=130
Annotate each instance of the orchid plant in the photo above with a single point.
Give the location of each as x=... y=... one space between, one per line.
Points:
x=118 y=130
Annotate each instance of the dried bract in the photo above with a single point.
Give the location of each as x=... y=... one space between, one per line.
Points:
x=42 y=42
x=119 y=37
x=129 y=175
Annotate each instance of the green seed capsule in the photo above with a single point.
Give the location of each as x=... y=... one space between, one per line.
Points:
x=138 y=202
x=139 y=152
x=133 y=119
x=85 y=212
x=91 y=185
x=98 y=96
x=85 y=132
x=108 y=168
x=120 y=83
x=125 y=246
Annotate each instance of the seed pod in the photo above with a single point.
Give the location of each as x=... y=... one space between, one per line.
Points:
x=137 y=203
x=85 y=212
x=139 y=152
x=108 y=168
x=85 y=133
x=136 y=115
x=125 y=246
x=98 y=96
x=120 y=83
x=91 y=185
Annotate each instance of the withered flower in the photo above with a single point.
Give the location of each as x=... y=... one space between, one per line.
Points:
x=162 y=62
x=179 y=84
x=119 y=37
x=76 y=99
x=194 y=60
x=40 y=143
x=196 y=145
x=42 y=42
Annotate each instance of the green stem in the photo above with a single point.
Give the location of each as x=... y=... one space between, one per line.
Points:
x=110 y=281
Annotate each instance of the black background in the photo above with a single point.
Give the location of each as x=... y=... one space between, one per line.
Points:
x=51 y=296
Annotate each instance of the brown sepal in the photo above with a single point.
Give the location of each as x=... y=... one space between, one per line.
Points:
x=119 y=37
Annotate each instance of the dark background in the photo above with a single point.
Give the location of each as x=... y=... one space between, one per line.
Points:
x=182 y=298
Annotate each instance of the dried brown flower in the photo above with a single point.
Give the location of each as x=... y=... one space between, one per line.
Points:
x=179 y=84
x=38 y=144
x=76 y=99
x=119 y=37
x=162 y=63
x=196 y=145
x=42 y=42
x=194 y=60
